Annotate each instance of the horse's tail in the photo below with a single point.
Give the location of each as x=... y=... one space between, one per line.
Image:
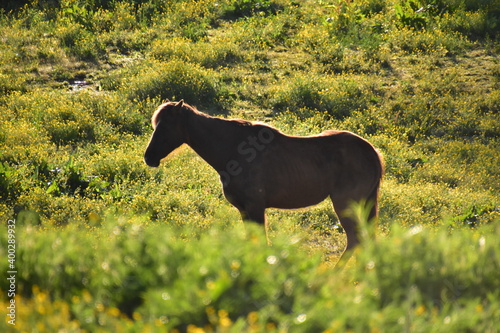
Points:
x=374 y=194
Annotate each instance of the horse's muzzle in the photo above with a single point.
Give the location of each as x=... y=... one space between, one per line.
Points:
x=150 y=162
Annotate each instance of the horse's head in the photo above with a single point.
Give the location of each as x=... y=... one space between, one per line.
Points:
x=168 y=132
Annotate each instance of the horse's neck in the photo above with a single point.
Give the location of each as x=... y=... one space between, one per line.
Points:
x=212 y=138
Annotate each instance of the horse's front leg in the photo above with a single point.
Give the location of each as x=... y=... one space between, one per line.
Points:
x=256 y=213
x=250 y=210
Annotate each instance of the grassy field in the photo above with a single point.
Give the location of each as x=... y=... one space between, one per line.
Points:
x=104 y=243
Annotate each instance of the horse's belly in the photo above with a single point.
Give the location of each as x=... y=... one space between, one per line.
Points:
x=298 y=197
x=297 y=185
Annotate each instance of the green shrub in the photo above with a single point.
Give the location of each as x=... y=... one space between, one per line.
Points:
x=229 y=278
x=174 y=80
x=211 y=55
x=337 y=96
x=22 y=144
x=9 y=183
x=190 y=19
x=80 y=42
x=112 y=166
x=411 y=13
x=460 y=158
x=426 y=42
x=247 y=8
x=116 y=113
x=64 y=123
x=82 y=116
x=10 y=83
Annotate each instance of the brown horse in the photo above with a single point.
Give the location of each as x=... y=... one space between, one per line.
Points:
x=261 y=167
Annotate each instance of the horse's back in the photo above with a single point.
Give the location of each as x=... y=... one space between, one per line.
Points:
x=298 y=171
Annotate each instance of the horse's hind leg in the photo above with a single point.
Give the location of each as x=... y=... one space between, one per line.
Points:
x=350 y=227
x=350 y=224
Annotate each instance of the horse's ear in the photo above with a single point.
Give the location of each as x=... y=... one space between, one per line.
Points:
x=178 y=106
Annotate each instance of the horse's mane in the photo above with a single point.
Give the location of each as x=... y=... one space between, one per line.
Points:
x=252 y=125
x=163 y=107
x=158 y=111
x=236 y=122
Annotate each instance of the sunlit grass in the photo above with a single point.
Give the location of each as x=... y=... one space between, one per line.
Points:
x=107 y=243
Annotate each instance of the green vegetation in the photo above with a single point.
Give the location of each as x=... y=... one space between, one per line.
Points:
x=131 y=274
x=105 y=243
